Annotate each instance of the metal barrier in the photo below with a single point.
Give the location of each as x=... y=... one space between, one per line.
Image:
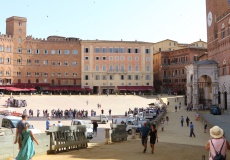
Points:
x=67 y=137
x=158 y=119
x=119 y=133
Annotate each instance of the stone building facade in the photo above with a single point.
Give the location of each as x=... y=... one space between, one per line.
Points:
x=113 y=66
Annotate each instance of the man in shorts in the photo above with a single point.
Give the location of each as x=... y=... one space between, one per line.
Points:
x=144 y=136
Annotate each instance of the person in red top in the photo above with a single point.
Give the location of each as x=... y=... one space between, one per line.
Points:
x=217 y=143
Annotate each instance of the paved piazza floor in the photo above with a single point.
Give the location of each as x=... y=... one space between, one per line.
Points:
x=174 y=139
x=118 y=104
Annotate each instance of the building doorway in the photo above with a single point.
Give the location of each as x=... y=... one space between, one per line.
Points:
x=225 y=101
x=95 y=89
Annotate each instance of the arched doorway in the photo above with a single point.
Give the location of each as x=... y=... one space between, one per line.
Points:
x=205 y=90
x=202 y=83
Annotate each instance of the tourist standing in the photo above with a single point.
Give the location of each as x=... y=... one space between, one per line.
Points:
x=192 y=130
x=153 y=137
x=27 y=149
x=59 y=124
x=217 y=143
x=110 y=112
x=38 y=112
x=87 y=102
x=197 y=115
x=48 y=125
x=102 y=111
x=144 y=136
x=95 y=125
x=182 y=121
x=19 y=128
x=32 y=113
x=187 y=121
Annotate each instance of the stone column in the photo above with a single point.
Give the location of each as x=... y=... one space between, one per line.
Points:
x=195 y=96
x=107 y=135
x=214 y=93
x=206 y=92
x=189 y=94
x=133 y=133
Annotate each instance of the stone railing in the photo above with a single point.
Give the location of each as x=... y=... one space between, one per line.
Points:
x=119 y=133
x=66 y=138
x=9 y=150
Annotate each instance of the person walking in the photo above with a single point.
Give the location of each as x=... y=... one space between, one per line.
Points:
x=217 y=143
x=175 y=108
x=153 y=137
x=182 y=121
x=27 y=149
x=192 y=130
x=87 y=102
x=187 y=121
x=110 y=112
x=162 y=124
x=144 y=136
x=48 y=125
x=167 y=120
x=19 y=128
x=205 y=126
x=102 y=111
x=95 y=125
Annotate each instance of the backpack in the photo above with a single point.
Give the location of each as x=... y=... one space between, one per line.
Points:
x=218 y=155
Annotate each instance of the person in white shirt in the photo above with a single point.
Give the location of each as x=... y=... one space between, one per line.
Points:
x=59 y=124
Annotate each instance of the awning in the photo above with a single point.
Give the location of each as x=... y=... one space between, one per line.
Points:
x=2 y=88
x=31 y=89
x=64 y=88
x=121 y=88
x=15 y=89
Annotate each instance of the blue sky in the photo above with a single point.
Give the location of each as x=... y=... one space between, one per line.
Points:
x=142 y=20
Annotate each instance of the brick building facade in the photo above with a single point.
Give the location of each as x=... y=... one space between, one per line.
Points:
x=169 y=68
x=218 y=39
x=60 y=64
x=6 y=59
x=41 y=63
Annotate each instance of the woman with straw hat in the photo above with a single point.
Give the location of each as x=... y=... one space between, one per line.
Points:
x=217 y=144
